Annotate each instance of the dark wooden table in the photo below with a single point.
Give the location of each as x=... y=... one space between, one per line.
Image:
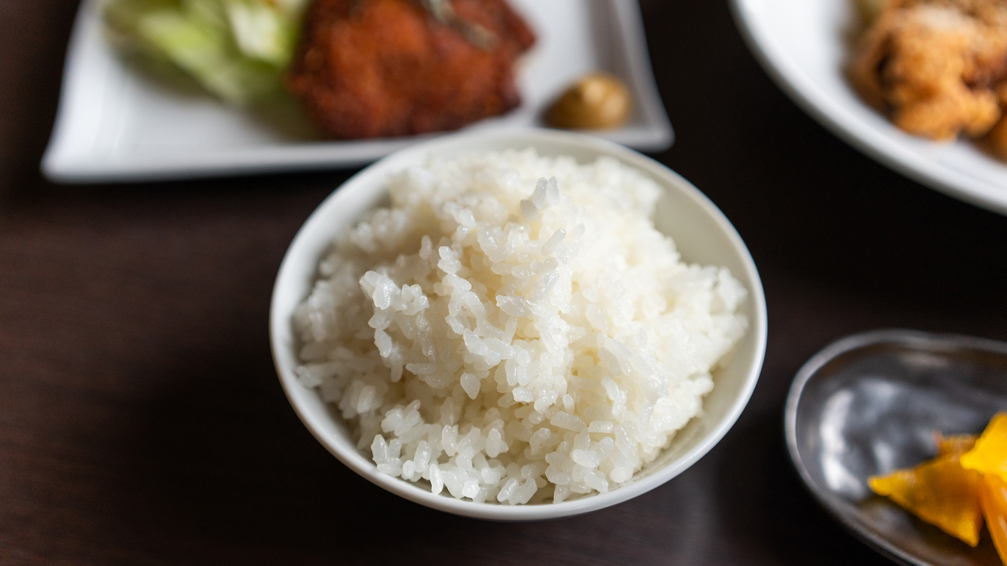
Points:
x=141 y=421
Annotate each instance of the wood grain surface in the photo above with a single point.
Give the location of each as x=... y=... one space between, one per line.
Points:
x=141 y=421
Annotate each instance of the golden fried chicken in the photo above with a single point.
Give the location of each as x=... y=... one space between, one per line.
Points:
x=374 y=68
x=935 y=65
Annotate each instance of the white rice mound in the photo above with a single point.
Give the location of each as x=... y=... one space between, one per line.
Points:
x=514 y=329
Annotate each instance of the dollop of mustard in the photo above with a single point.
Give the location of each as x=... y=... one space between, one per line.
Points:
x=595 y=101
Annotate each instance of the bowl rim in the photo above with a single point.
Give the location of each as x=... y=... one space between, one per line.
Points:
x=515 y=138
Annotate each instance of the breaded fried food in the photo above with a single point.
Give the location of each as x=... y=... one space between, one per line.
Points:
x=935 y=66
x=378 y=68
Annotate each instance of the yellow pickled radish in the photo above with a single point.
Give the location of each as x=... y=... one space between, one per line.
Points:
x=994 y=503
x=989 y=455
x=939 y=492
x=955 y=444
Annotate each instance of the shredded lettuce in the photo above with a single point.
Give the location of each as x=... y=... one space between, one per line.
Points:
x=236 y=49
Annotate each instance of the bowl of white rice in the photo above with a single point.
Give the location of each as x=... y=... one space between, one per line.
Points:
x=518 y=325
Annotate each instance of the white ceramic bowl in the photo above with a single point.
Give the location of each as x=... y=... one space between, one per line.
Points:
x=700 y=230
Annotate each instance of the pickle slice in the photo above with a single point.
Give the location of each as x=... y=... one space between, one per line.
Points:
x=994 y=503
x=989 y=455
x=939 y=492
x=955 y=444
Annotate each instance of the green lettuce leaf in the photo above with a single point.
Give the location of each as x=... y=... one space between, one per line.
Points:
x=236 y=49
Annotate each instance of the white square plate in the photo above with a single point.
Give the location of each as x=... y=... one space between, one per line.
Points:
x=117 y=124
x=804 y=46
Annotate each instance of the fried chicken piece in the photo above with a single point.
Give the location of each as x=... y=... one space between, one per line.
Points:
x=996 y=140
x=934 y=65
x=374 y=68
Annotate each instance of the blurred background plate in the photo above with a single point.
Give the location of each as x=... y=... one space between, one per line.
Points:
x=116 y=124
x=871 y=403
x=804 y=45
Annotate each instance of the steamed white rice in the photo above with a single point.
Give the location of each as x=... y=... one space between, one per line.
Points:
x=514 y=329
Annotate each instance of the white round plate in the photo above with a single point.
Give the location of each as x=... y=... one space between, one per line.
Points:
x=804 y=46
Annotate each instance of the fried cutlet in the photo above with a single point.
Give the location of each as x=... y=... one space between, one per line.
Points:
x=935 y=66
x=378 y=68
